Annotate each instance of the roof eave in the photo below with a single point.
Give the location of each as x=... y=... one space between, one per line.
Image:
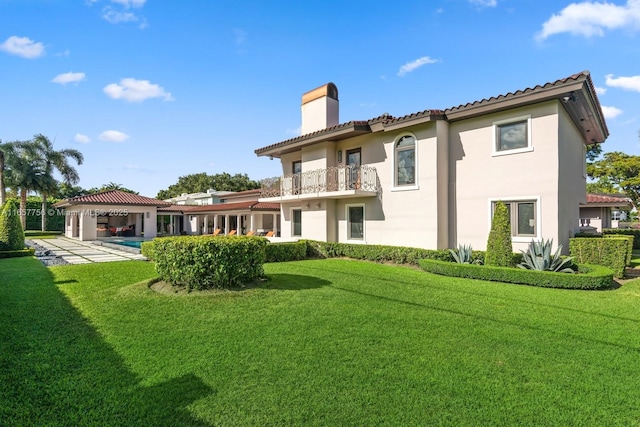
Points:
x=340 y=133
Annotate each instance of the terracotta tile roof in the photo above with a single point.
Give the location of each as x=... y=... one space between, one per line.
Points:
x=360 y=125
x=251 y=205
x=112 y=197
x=559 y=82
x=616 y=199
x=552 y=90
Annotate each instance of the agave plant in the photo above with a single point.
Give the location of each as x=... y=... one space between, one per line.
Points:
x=463 y=255
x=539 y=257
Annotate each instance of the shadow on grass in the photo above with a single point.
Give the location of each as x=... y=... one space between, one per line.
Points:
x=55 y=368
x=293 y=282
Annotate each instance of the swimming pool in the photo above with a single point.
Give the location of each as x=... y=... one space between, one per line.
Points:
x=130 y=243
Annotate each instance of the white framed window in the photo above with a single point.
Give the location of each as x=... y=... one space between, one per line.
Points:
x=296 y=222
x=355 y=222
x=524 y=216
x=405 y=163
x=512 y=136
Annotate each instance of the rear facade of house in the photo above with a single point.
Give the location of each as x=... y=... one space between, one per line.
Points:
x=431 y=179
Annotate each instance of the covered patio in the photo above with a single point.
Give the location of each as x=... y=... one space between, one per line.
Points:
x=110 y=213
x=238 y=218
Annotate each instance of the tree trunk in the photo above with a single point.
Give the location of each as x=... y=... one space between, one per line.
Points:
x=44 y=212
x=23 y=207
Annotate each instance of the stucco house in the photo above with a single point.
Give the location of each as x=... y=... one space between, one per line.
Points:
x=240 y=211
x=114 y=212
x=431 y=179
x=603 y=211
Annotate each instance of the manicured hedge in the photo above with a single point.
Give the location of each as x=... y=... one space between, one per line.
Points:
x=376 y=253
x=282 y=252
x=625 y=232
x=383 y=253
x=30 y=233
x=589 y=277
x=608 y=252
x=11 y=232
x=205 y=262
x=629 y=240
x=18 y=253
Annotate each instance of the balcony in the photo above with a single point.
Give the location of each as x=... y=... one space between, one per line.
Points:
x=334 y=182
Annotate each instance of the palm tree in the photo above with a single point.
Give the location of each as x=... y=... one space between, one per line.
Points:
x=7 y=151
x=53 y=160
x=25 y=173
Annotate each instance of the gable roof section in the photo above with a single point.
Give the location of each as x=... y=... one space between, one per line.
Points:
x=112 y=197
x=576 y=93
x=608 y=200
x=250 y=205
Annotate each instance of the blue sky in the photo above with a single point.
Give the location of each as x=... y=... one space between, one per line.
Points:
x=150 y=90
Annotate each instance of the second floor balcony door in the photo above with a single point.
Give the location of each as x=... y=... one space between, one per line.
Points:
x=353 y=169
x=296 y=170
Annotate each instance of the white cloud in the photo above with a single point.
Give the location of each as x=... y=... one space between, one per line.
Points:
x=113 y=136
x=610 y=112
x=627 y=83
x=130 y=3
x=69 y=77
x=115 y=17
x=83 y=139
x=592 y=19
x=601 y=90
x=134 y=90
x=22 y=46
x=410 y=66
x=240 y=36
x=484 y=3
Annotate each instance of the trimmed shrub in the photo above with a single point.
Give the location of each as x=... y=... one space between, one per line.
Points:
x=55 y=216
x=629 y=239
x=11 y=233
x=589 y=277
x=376 y=253
x=499 y=246
x=610 y=252
x=625 y=232
x=205 y=262
x=148 y=249
x=282 y=252
x=29 y=233
x=18 y=253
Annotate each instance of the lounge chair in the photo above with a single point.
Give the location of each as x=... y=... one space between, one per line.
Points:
x=217 y=231
x=269 y=234
x=250 y=233
x=232 y=233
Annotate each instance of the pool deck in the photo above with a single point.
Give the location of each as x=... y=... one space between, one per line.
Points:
x=79 y=252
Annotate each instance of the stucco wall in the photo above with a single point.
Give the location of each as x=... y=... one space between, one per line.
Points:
x=479 y=177
x=572 y=182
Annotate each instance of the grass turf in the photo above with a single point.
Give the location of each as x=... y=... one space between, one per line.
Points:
x=329 y=342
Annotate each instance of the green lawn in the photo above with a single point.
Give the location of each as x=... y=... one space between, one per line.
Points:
x=328 y=342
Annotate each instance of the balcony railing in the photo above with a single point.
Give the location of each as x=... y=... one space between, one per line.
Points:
x=332 y=179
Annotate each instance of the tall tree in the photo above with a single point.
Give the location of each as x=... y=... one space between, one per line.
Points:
x=25 y=173
x=619 y=172
x=110 y=186
x=54 y=160
x=201 y=182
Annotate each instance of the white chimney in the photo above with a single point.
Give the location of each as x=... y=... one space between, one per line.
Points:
x=320 y=108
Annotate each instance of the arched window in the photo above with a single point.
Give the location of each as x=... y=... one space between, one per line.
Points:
x=405 y=160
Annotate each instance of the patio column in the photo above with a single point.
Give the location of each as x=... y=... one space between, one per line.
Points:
x=239 y=224
x=226 y=224
x=252 y=222
x=205 y=228
x=215 y=222
x=275 y=224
